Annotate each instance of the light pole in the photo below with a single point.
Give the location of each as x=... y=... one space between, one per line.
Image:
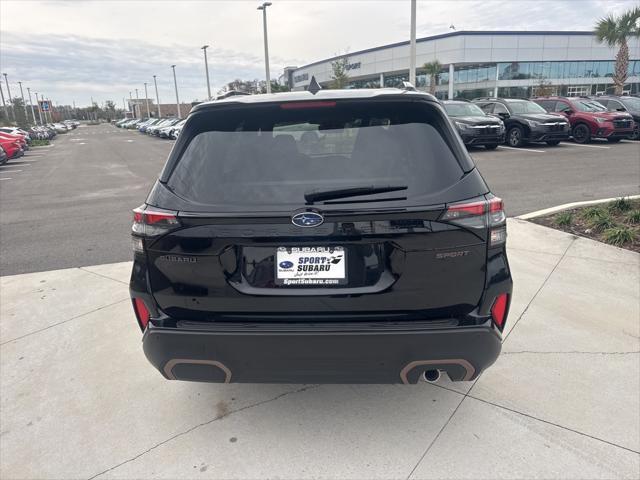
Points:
x=146 y=97
x=9 y=95
x=4 y=105
x=132 y=106
x=39 y=109
x=33 y=114
x=175 y=83
x=157 y=97
x=24 y=104
x=263 y=7
x=412 y=46
x=124 y=106
x=206 y=69
x=137 y=101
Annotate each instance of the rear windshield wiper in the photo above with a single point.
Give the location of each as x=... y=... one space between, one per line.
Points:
x=320 y=195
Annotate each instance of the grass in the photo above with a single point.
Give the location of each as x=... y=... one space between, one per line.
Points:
x=564 y=219
x=39 y=143
x=633 y=217
x=616 y=223
x=619 y=236
x=621 y=204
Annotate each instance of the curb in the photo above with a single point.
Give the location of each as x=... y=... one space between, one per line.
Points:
x=569 y=206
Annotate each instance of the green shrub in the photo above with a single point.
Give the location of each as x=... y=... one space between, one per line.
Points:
x=621 y=204
x=619 y=235
x=39 y=143
x=592 y=213
x=633 y=217
x=564 y=219
x=602 y=222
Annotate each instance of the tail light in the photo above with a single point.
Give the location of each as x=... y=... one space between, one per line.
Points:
x=142 y=312
x=151 y=222
x=480 y=214
x=499 y=310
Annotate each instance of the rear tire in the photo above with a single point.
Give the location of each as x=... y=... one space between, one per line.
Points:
x=491 y=146
x=514 y=137
x=553 y=143
x=613 y=140
x=581 y=133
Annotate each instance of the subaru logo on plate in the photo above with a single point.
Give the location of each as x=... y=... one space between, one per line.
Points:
x=307 y=219
x=286 y=264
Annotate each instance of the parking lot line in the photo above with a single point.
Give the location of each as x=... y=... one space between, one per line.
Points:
x=522 y=149
x=6 y=178
x=10 y=171
x=587 y=146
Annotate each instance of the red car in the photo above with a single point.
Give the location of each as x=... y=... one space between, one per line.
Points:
x=589 y=119
x=11 y=146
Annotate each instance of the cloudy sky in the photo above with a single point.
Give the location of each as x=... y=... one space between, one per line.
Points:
x=72 y=50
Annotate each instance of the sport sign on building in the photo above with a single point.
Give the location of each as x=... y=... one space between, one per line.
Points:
x=44 y=105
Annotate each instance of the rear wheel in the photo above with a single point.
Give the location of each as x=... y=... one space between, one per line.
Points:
x=581 y=133
x=613 y=140
x=553 y=143
x=491 y=146
x=514 y=137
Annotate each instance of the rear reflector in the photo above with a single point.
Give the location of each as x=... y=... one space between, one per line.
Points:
x=298 y=105
x=142 y=313
x=499 y=310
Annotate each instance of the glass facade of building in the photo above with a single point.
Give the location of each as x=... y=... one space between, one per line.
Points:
x=472 y=81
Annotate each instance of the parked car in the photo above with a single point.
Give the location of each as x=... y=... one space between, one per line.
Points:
x=16 y=131
x=11 y=146
x=3 y=156
x=61 y=128
x=167 y=122
x=589 y=119
x=20 y=139
x=341 y=237
x=625 y=103
x=474 y=126
x=142 y=128
x=526 y=121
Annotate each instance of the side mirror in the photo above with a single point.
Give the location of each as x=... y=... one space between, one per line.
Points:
x=568 y=112
x=621 y=109
x=504 y=115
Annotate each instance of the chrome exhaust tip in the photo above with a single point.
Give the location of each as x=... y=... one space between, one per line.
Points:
x=431 y=376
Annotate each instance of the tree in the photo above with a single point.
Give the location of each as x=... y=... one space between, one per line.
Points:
x=339 y=73
x=615 y=31
x=544 y=89
x=21 y=119
x=433 y=69
x=110 y=108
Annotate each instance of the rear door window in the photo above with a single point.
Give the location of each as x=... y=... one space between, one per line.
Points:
x=269 y=156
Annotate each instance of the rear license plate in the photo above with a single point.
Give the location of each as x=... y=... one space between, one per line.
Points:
x=312 y=266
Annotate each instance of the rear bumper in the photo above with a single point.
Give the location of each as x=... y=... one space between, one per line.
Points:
x=319 y=353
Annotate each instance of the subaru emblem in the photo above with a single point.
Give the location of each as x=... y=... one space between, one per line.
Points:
x=307 y=219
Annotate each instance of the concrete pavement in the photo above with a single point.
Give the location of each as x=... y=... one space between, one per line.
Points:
x=79 y=400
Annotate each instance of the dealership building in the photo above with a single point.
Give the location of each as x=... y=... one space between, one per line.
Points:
x=483 y=63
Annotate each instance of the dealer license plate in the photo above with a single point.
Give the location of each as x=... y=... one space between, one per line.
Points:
x=311 y=266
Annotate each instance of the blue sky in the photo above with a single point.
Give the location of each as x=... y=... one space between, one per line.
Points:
x=72 y=50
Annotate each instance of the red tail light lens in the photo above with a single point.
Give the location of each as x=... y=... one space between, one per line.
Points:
x=480 y=214
x=499 y=310
x=150 y=222
x=142 y=312
x=298 y=105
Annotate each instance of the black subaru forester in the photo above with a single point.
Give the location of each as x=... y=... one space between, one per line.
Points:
x=341 y=237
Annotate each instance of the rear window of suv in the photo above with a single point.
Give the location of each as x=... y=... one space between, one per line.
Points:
x=268 y=156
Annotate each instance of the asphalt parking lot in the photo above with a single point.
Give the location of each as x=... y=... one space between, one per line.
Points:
x=70 y=205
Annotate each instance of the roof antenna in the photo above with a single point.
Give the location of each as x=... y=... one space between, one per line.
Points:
x=314 y=86
x=408 y=86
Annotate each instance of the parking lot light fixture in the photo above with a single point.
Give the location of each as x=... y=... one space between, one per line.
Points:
x=33 y=113
x=206 y=69
x=155 y=83
x=412 y=45
x=146 y=98
x=4 y=104
x=263 y=7
x=175 y=83
x=24 y=103
x=6 y=81
x=39 y=109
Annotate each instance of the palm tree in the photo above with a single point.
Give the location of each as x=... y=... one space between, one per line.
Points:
x=433 y=69
x=615 y=31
